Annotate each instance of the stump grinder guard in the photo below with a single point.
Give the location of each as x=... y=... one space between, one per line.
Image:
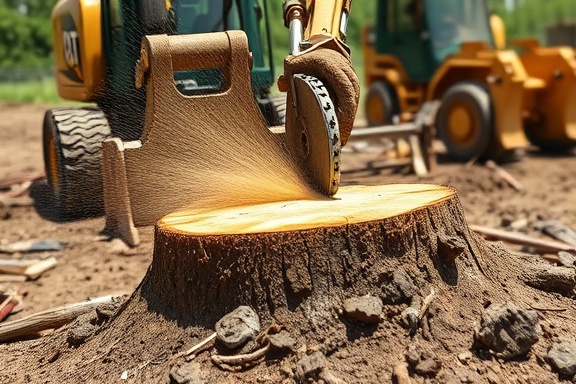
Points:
x=132 y=176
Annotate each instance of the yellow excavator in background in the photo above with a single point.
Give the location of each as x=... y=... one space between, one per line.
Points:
x=493 y=100
x=145 y=62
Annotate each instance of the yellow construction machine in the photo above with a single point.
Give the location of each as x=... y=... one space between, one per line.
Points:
x=493 y=100
x=190 y=62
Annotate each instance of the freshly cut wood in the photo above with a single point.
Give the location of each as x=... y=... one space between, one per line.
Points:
x=9 y=278
x=50 y=319
x=352 y=205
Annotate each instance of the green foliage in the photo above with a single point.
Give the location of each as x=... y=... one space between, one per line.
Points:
x=530 y=18
x=25 y=41
x=30 y=91
x=32 y=8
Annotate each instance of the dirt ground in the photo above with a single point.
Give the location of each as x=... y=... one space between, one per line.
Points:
x=90 y=267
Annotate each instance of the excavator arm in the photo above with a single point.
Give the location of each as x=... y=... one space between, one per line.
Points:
x=321 y=21
x=322 y=88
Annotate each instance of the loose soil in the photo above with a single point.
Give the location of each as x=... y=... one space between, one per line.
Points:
x=141 y=341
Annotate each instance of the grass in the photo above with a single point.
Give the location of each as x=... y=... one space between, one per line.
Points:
x=30 y=91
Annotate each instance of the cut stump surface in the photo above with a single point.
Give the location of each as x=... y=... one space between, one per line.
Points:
x=352 y=205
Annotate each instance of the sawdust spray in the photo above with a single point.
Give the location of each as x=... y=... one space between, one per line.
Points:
x=223 y=159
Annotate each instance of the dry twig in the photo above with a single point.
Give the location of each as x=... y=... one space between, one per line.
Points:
x=198 y=347
x=243 y=360
x=504 y=175
x=519 y=238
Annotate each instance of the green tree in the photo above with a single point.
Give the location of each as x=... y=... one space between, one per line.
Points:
x=33 y=8
x=24 y=41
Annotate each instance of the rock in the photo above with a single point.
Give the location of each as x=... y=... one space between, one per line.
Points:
x=282 y=341
x=188 y=373
x=366 y=309
x=421 y=362
x=238 y=327
x=567 y=259
x=519 y=224
x=465 y=357
x=562 y=357
x=400 y=289
x=410 y=319
x=82 y=329
x=508 y=330
x=310 y=367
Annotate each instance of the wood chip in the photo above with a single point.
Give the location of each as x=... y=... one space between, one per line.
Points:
x=32 y=269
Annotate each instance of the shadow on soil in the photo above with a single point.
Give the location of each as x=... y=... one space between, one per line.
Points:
x=47 y=208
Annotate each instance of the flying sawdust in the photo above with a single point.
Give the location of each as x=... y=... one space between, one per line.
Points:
x=219 y=156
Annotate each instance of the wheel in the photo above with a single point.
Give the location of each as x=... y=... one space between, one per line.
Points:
x=547 y=146
x=273 y=109
x=72 y=139
x=464 y=121
x=380 y=104
x=280 y=108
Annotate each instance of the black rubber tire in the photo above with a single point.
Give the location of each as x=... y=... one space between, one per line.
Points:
x=547 y=146
x=72 y=141
x=381 y=97
x=273 y=109
x=475 y=99
x=279 y=102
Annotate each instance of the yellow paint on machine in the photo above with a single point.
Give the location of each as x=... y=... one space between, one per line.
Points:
x=76 y=28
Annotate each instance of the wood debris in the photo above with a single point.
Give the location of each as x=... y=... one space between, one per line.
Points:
x=198 y=347
x=8 y=278
x=18 y=186
x=557 y=230
x=32 y=246
x=51 y=318
x=31 y=269
x=9 y=301
x=505 y=175
x=519 y=238
x=401 y=375
x=236 y=362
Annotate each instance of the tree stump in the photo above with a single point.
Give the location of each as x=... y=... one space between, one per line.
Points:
x=277 y=257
